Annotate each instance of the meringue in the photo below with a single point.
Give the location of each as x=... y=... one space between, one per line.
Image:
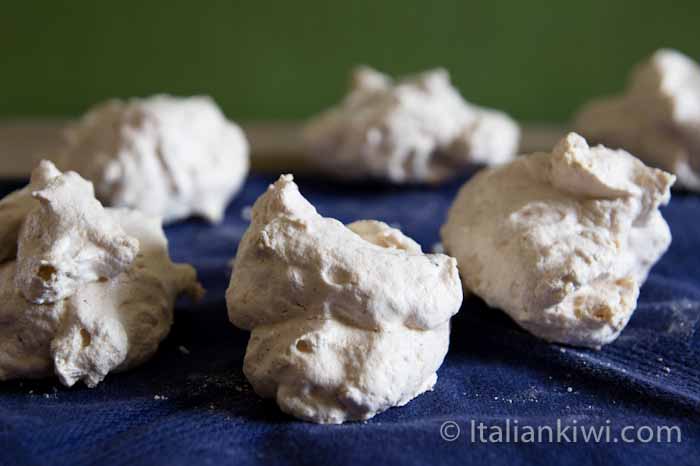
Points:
x=165 y=156
x=68 y=240
x=91 y=291
x=350 y=321
x=657 y=118
x=417 y=129
x=561 y=242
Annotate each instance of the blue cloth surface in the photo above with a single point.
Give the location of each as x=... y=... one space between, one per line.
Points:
x=195 y=406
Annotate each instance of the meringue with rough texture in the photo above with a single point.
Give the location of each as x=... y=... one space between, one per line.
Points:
x=165 y=156
x=68 y=239
x=561 y=242
x=109 y=300
x=351 y=320
x=15 y=206
x=657 y=118
x=417 y=129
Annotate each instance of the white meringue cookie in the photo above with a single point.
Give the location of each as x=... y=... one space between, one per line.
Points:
x=418 y=129
x=657 y=118
x=99 y=324
x=350 y=320
x=562 y=241
x=166 y=156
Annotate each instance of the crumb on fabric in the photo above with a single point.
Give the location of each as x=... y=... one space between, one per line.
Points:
x=247 y=213
x=438 y=248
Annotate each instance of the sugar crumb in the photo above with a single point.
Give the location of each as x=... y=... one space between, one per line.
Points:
x=247 y=213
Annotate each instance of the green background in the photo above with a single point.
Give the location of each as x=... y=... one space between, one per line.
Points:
x=286 y=60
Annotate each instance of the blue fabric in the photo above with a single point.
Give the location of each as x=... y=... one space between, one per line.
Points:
x=494 y=373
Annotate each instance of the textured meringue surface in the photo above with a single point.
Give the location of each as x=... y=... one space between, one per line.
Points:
x=91 y=290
